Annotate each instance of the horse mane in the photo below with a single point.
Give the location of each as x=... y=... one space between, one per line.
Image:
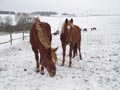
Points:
x=40 y=32
x=42 y=38
x=62 y=29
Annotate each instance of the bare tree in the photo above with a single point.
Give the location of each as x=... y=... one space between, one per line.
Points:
x=21 y=18
x=1 y=24
x=1 y=21
x=8 y=26
x=22 y=21
x=8 y=21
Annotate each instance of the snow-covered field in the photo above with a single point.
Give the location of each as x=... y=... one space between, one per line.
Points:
x=99 y=69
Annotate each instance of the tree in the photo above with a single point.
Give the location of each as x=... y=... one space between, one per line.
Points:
x=21 y=18
x=8 y=21
x=1 y=21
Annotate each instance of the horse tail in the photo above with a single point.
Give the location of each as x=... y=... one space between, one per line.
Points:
x=75 y=50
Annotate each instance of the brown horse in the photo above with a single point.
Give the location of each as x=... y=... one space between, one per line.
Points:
x=56 y=32
x=93 y=29
x=70 y=34
x=40 y=39
x=85 y=29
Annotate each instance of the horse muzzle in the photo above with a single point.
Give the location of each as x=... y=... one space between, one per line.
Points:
x=52 y=74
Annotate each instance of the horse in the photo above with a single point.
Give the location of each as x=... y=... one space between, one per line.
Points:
x=40 y=40
x=70 y=34
x=85 y=29
x=93 y=29
x=56 y=32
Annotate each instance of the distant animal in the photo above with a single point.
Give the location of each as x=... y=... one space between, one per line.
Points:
x=94 y=28
x=40 y=40
x=85 y=29
x=71 y=35
x=56 y=33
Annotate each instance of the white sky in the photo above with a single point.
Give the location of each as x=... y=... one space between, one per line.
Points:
x=61 y=5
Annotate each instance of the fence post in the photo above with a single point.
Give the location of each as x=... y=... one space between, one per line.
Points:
x=23 y=25
x=10 y=38
x=23 y=35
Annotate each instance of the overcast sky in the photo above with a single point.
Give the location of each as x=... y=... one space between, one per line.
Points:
x=70 y=6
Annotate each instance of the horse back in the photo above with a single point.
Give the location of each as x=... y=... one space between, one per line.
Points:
x=46 y=30
x=76 y=34
x=34 y=40
x=77 y=29
x=33 y=37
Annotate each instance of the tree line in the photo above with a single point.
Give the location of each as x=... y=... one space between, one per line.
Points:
x=44 y=13
x=7 y=12
x=23 y=22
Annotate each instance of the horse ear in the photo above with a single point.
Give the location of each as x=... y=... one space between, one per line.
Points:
x=66 y=20
x=71 y=20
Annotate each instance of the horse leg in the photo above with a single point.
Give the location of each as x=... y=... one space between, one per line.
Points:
x=41 y=65
x=75 y=50
x=36 y=58
x=79 y=48
x=64 y=50
x=41 y=69
x=70 y=54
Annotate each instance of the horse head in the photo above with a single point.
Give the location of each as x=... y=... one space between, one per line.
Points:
x=49 y=61
x=68 y=24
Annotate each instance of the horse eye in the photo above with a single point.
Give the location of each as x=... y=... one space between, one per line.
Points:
x=68 y=27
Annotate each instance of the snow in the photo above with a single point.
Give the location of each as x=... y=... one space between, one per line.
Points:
x=99 y=69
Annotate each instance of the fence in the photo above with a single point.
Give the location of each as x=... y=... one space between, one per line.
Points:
x=11 y=38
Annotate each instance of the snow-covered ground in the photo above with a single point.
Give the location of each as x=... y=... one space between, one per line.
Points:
x=99 y=69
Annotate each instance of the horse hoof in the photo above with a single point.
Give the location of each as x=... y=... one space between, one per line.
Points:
x=81 y=59
x=70 y=66
x=42 y=73
x=62 y=64
x=37 y=70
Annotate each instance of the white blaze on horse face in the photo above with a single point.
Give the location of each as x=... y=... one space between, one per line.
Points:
x=68 y=27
